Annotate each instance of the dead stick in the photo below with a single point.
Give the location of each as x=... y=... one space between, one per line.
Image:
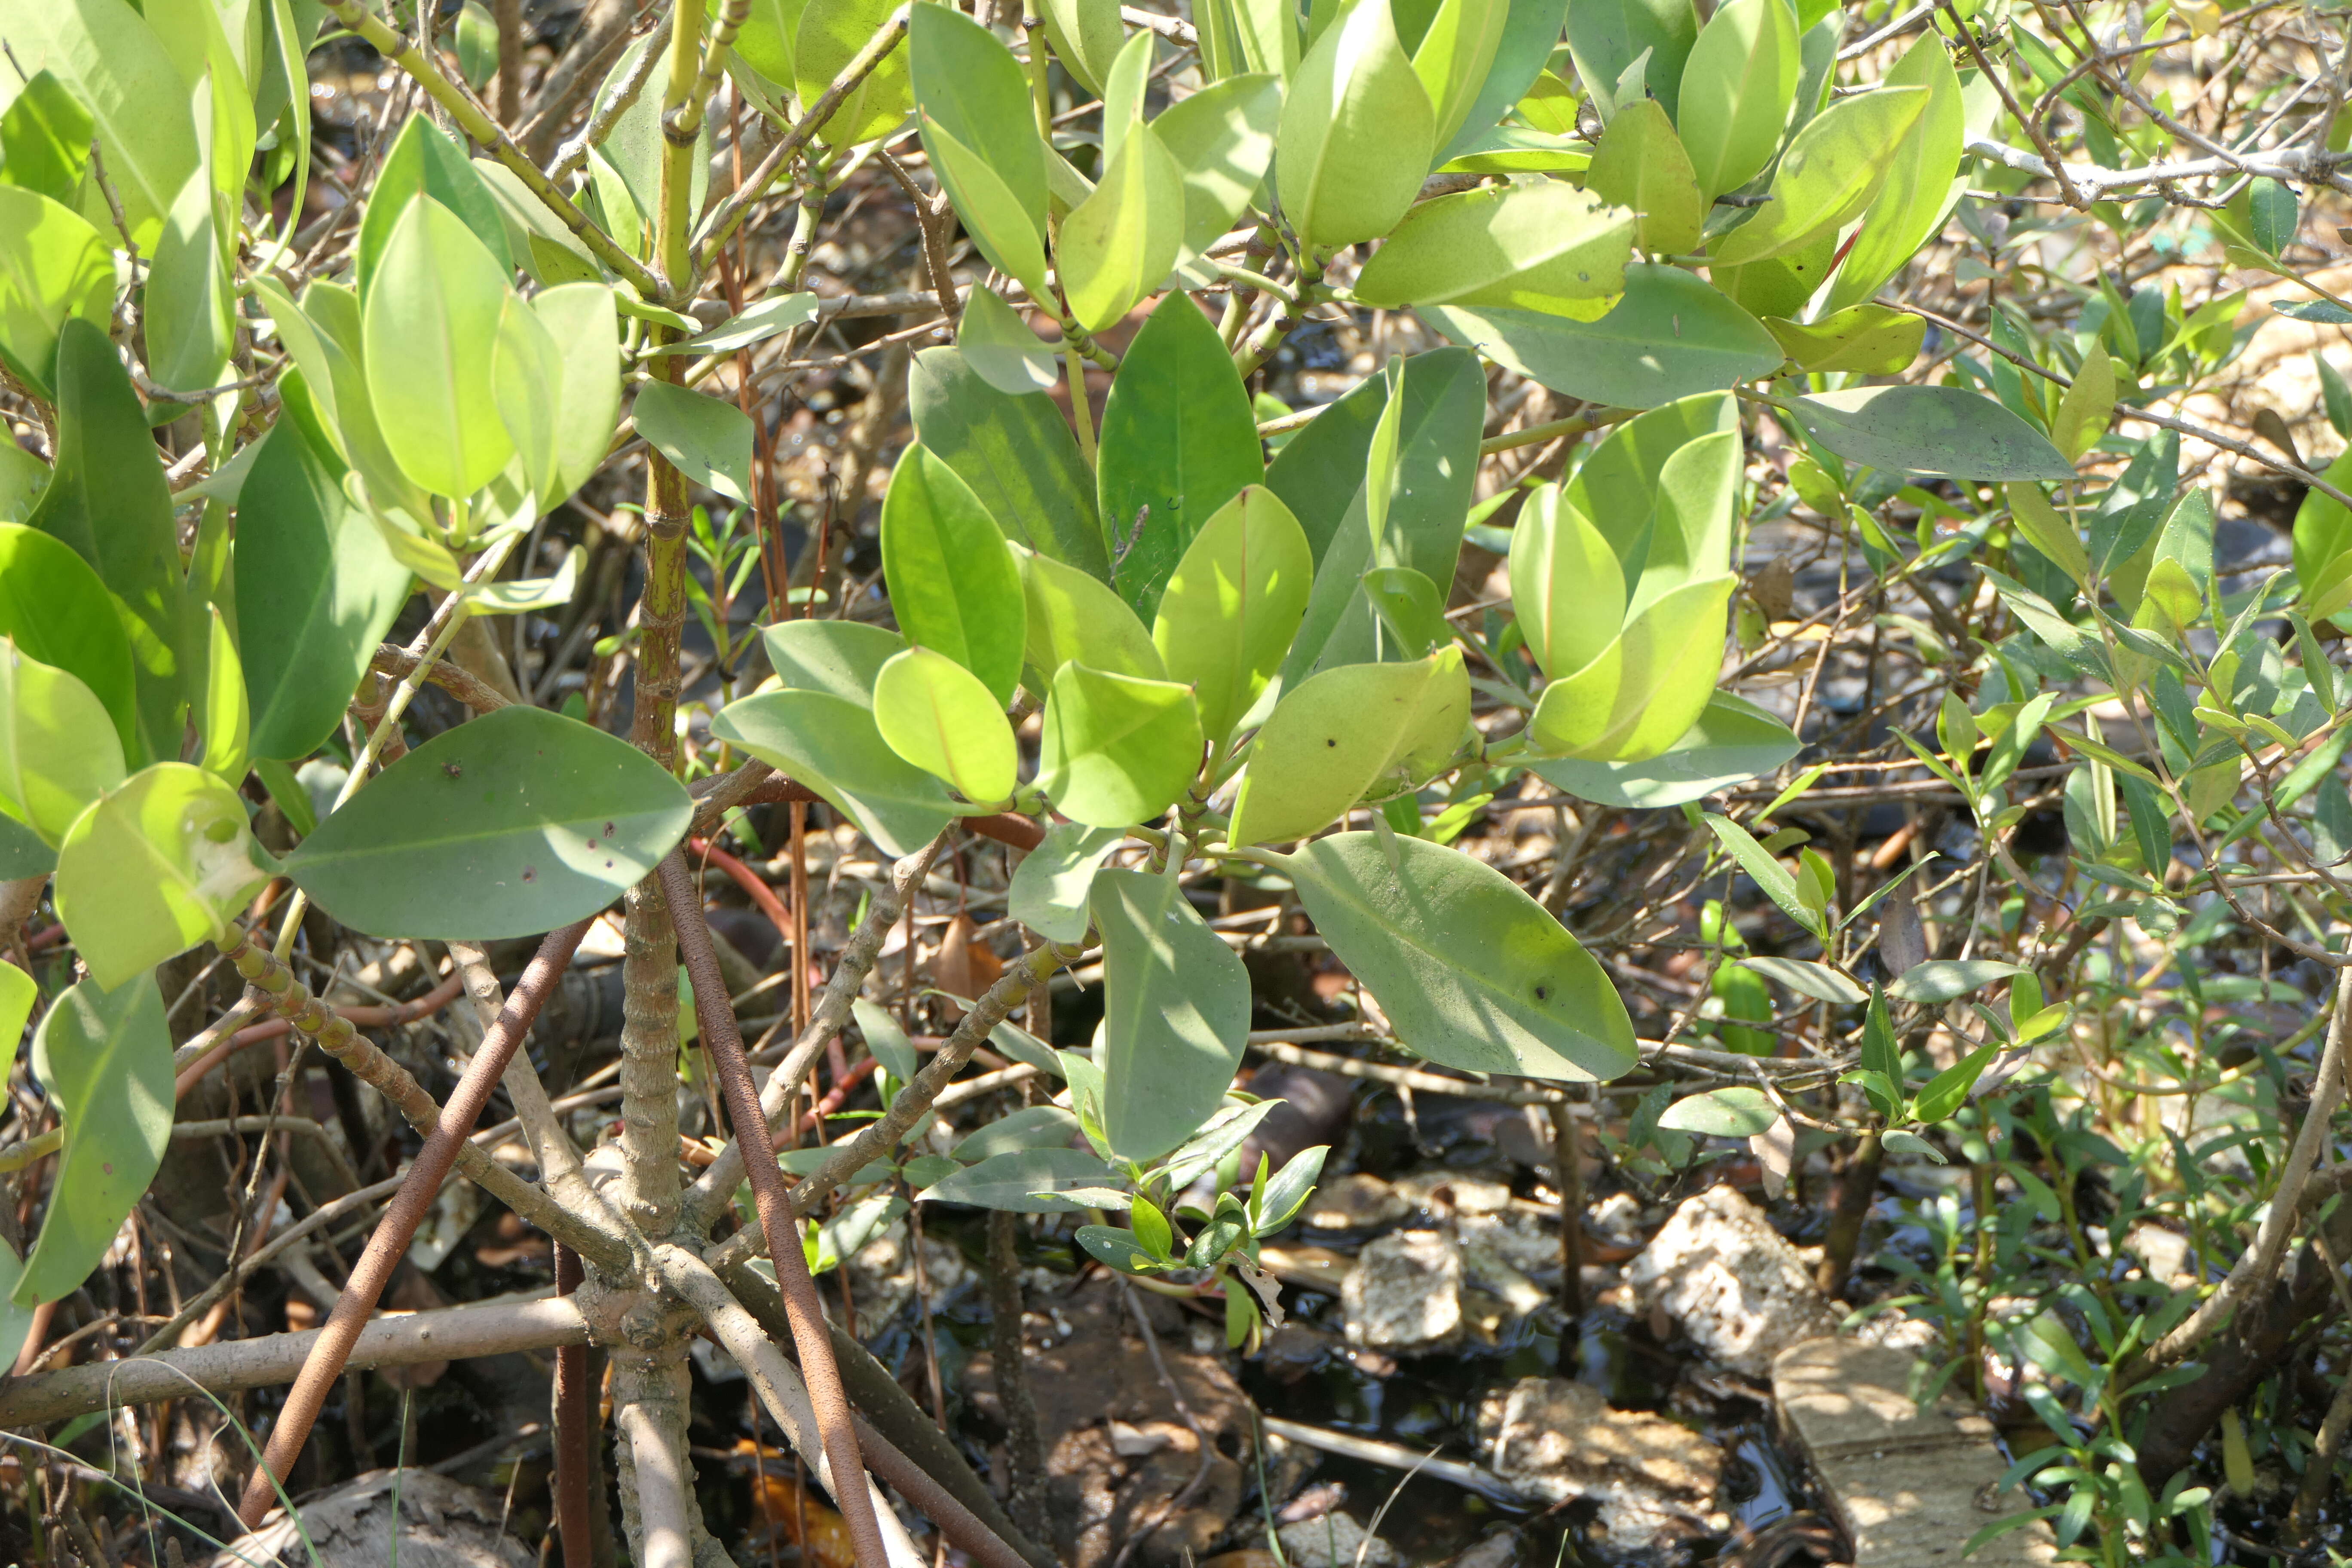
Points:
x=573 y=1446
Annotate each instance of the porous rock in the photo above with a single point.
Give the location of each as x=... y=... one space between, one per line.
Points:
x=1405 y=1293
x=1553 y=1439
x=443 y=1524
x=1734 y=1283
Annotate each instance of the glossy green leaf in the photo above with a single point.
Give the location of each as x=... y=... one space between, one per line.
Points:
x=1344 y=734
x=982 y=135
x=1544 y=246
x=1233 y=605
x=1817 y=981
x=541 y=819
x=526 y=366
x=1074 y=617
x=831 y=34
x=938 y=715
x=1734 y=741
x=122 y=74
x=23 y=477
x=1050 y=886
x=45 y=137
x=1567 y=588
x=1124 y=89
x=709 y=440
x=765 y=39
x=1117 y=748
x=58 y=750
x=1606 y=37
x=757 y=324
x=18 y=994
x=190 y=303
x=1941 y=430
x=53 y=265
x=106 y=1057
x=1357 y=133
x=1223 y=140
x=2322 y=535
x=1741 y=78
x=1471 y=971
x=1735 y=1112
x=1640 y=165
x=998 y=345
x=108 y=500
x=1829 y=175
x=1669 y=337
x=1319 y=471
x=1454 y=56
x=431 y=321
x=2088 y=406
x=1768 y=875
x=1087 y=36
x=1025 y=1180
x=54 y=607
x=537 y=239
x=1942 y=980
x=226 y=719
x=1531 y=31
x=839 y=657
x=319 y=592
x=1644 y=691
x=585 y=395
x=1016 y=453
x=1921 y=183
x=1948 y=1089
x=830 y=742
x=1176 y=1012
x=1867 y=340
x=1781 y=285
x=1117 y=245
x=325 y=336
x=1179 y=438
x=424 y=160
x=1618 y=485
x=154 y=867
x=953 y=586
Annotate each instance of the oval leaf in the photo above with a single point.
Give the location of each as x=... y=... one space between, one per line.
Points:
x=1345 y=733
x=154 y=866
x=1357 y=133
x=432 y=331
x=1117 y=748
x=1542 y=247
x=936 y=714
x=1828 y=175
x=1233 y=605
x=953 y=586
x=1176 y=1011
x=830 y=743
x=1738 y=1111
x=58 y=750
x=1941 y=430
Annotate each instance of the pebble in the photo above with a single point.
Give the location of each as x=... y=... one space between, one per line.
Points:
x=1405 y=1293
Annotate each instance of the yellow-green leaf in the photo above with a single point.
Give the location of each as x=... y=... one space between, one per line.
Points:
x=1347 y=732
x=1118 y=244
x=1233 y=605
x=432 y=332
x=1116 y=749
x=154 y=867
x=1357 y=131
x=1830 y=171
x=58 y=749
x=1641 y=166
x=936 y=713
x=1544 y=247
x=1737 y=88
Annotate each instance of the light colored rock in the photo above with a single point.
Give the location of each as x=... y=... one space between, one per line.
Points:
x=2163 y=1253
x=443 y=1524
x=1405 y=1293
x=1334 y=1540
x=1734 y=1283
x=1553 y=1439
x=1356 y=1202
x=1910 y=1486
x=1443 y=1193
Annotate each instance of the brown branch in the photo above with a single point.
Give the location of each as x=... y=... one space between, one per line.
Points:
x=574 y=1444
x=470 y=689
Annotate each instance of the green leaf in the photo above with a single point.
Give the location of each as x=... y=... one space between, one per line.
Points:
x=1471 y=971
x=1223 y=140
x=2273 y=215
x=953 y=586
x=1829 y=175
x=106 y=1057
x=1736 y=1112
x=54 y=607
x=1016 y=453
x=226 y=718
x=18 y=994
x=1087 y=36
x=2049 y=532
x=1357 y=133
x=1117 y=1249
x=432 y=328
x=1734 y=741
x=1176 y=1012
x=154 y=867
x=982 y=135
x=424 y=160
x=22 y=852
x=1348 y=732
x=45 y=137
x=998 y=345
x=831 y=34
x=1050 y=886
x=1942 y=980
x=938 y=716
x=1178 y=436
x=318 y=590
x=1767 y=873
x=764 y=42
x=525 y=366
x=1073 y=616
x=1606 y=37
x=1116 y=749
x=53 y=265
x=119 y=71
x=830 y=742
x=541 y=819
x=841 y=657
x=23 y=477
x=108 y=500
x=1939 y=430
x=770 y=316
x=1948 y=1089
x=886 y=1042
x=1288 y=1191
x=1896 y=1141
x=324 y=336
x=1641 y=166
x=1742 y=81
x=1869 y=340
x=2088 y=406
x=1817 y=981
x=1454 y=56
x=1671 y=336
x=1118 y=244
x=58 y=749
x=1233 y=605
x=1037 y=1127
x=1567 y=587
x=710 y=441
x=1544 y=246
x=1644 y=691
x=1321 y=471
x=2323 y=534
x=1025 y=1180
x=1921 y=184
